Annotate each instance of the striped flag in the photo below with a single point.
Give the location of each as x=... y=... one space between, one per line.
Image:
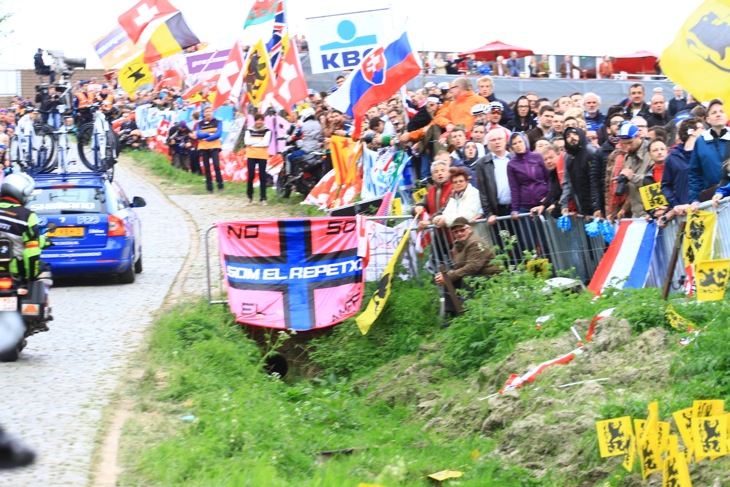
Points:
x=169 y=38
x=516 y=381
x=626 y=261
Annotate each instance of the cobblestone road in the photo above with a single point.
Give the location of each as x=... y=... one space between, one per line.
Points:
x=54 y=396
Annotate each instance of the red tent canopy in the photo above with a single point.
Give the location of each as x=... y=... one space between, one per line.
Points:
x=641 y=62
x=489 y=52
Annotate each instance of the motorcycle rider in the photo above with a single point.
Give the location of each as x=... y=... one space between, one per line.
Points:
x=308 y=136
x=20 y=225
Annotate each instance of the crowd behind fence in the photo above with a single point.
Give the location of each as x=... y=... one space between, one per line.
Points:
x=574 y=252
x=570 y=252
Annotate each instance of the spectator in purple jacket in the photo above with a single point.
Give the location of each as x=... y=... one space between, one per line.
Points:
x=527 y=174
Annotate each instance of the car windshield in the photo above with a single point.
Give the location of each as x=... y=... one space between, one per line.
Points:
x=52 y=201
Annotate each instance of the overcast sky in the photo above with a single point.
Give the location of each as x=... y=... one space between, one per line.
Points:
x=613 y=27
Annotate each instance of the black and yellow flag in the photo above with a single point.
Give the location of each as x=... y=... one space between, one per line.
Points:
x=134 y=75
x=382 y=293
x=257 y=74
x=698 y=236
x=711 y=278
x=652 y=196
x=697 y=58
x=614 y=436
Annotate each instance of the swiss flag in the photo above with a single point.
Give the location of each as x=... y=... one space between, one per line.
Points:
x=231 y=77
x=136 y=19
x=291 y=87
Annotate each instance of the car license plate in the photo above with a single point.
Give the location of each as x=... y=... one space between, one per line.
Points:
x=67 y=232
x=9 y=304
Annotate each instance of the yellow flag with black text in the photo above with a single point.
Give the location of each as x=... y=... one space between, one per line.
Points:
x=381 y=294
x=697 y=59
x=134 y=75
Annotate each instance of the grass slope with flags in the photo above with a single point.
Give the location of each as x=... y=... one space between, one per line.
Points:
x=410 y=399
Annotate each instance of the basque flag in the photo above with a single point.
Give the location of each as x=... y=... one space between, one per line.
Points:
x=296 y=274
x=626 y=261
x=380 y=74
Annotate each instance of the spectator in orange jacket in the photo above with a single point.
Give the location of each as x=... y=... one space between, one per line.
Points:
x=458 y=112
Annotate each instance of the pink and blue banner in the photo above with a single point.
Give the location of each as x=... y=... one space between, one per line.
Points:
x=627 y=260
x=298 y=274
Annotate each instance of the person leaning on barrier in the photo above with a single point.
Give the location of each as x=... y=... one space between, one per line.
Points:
x=491 y=175
x=464 y=200
x=576 y=175
x=636 y=170
x=527 y=174
x=437 y=196
x=675 y=182
x=723 y=189
x=471 y=257
x=705 y=165
x=551 y=202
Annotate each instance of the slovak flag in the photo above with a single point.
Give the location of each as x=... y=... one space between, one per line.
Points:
x=137 y=18
x=380 y=74
x=230 y=80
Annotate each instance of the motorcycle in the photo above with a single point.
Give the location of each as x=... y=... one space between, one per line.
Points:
x=24 y=306
x=301 y=173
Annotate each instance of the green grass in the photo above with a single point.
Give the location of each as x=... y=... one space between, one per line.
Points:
x=252 y=429
x=369 y=394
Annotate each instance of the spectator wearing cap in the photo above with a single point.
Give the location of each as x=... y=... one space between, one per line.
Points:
x=458 y=111
x=711 y=149
x=471 y=256
x=496 y=110
x=642 y=125
x=485 y=85
x=481 y=113
x=41 y=68
x=635 y=166
x=678 y=101
x=524 y=118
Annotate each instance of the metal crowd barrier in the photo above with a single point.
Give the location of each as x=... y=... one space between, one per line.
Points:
x=568 y=251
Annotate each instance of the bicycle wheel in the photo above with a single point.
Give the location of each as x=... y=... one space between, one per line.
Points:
x=45 y=132
x=85 y=137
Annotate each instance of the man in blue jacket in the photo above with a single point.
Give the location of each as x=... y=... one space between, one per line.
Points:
x=711 y=149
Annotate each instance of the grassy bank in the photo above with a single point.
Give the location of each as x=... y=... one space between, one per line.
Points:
x=410 y=398
x=404 y=401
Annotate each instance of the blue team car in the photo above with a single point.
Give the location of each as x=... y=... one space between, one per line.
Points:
x=97 y=229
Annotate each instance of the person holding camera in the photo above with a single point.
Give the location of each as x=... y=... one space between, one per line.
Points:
x=178 y=142
x=636 y=171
